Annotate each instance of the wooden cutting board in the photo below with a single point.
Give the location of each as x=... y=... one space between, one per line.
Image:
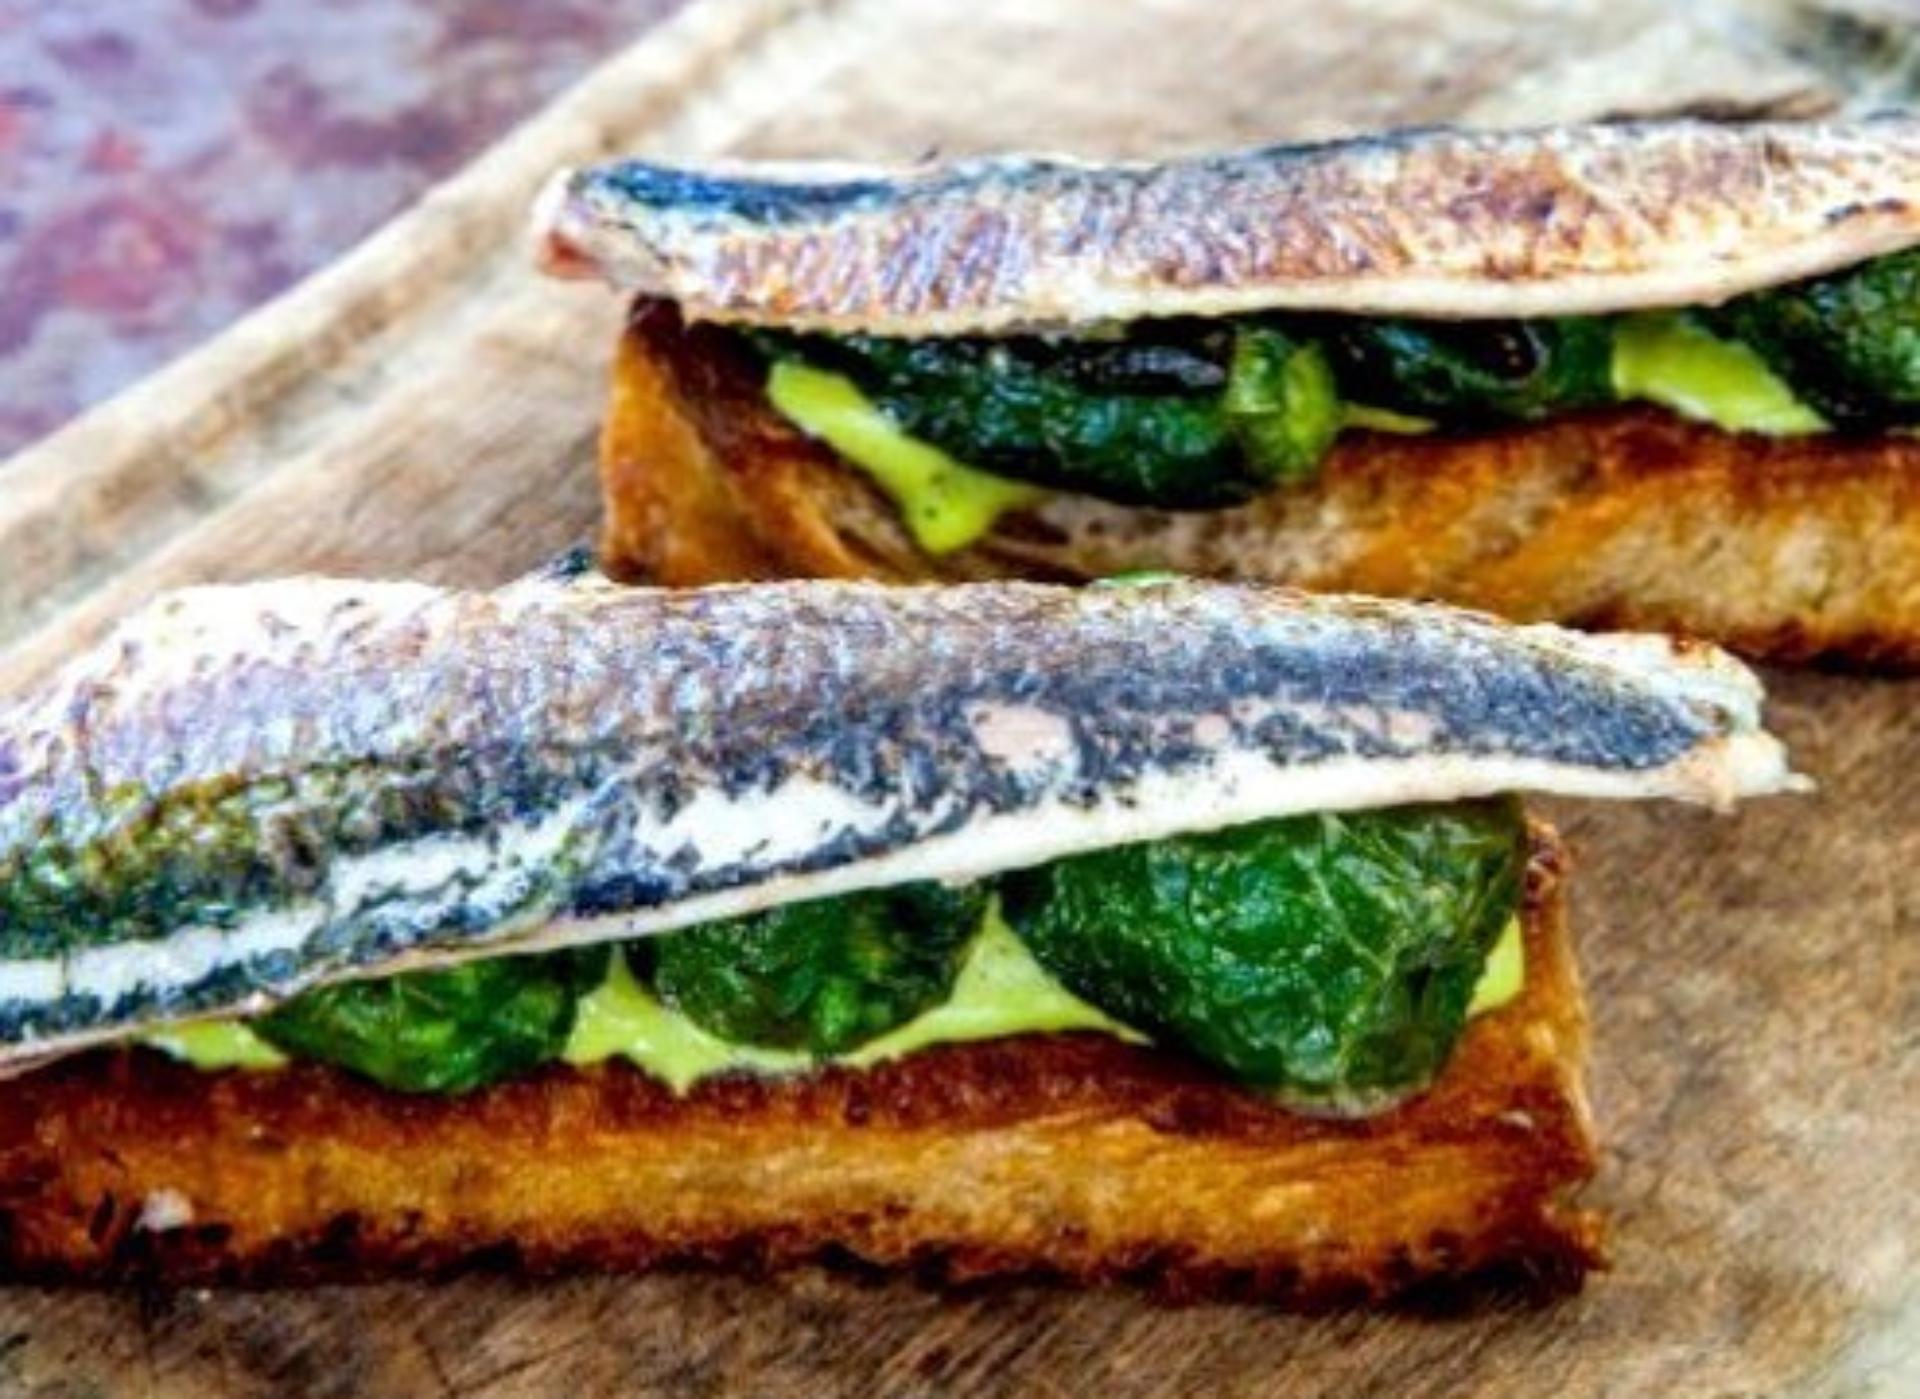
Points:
x=427 y=407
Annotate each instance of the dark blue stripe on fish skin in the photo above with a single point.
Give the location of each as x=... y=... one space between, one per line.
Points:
x=776 y=202
x=377 y=933
x=763 y=201
x=1288 y=733
x=624 y=891
x=1141 y=716
x=29 y=1020
x=773 y=201
x=13 y=774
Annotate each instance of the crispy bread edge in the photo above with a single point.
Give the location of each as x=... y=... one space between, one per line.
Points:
x=1072 y=1156
x=1794 y=549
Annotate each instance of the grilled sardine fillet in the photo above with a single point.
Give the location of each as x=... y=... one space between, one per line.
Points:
x=1065 y=1155
x=1431 y=223
x=1743 y=481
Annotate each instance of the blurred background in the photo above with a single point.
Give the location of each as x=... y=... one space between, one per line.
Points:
x=167 y=164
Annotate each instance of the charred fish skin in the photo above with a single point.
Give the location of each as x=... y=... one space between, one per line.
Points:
x=1432 y=222
x=252 y=789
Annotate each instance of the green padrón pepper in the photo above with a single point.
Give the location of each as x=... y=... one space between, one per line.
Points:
x=1328 y=958
x=824 y=976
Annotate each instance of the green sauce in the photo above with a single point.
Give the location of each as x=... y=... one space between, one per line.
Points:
x=624 y=1019
x=1505 y=973
x=1671 y=360
x=217 y=1044
x=1001 y=991
x=945 y=503
x=1371 y=419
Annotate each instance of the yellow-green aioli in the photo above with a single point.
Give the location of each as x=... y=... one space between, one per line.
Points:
x=623 y=1019
x=1372 y=419
x=1000 y=991
x=946 y=504
x=217 y=1044
x=1505 y=972
x=1668 y=359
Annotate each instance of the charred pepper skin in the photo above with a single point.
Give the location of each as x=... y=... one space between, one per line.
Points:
x=1474 y=373
x=1178 y=415
x=1327 y=959
x=450 y=1030
x=824 y=976
x=1848 y=343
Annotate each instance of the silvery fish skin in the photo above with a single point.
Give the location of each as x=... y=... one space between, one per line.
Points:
x=1432 y=222
x=249 y=790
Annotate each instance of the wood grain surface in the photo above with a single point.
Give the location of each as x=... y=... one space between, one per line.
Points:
x=427 y=407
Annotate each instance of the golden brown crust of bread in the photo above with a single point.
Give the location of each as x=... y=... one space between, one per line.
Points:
x=1788 y=549
x=1072 y=1155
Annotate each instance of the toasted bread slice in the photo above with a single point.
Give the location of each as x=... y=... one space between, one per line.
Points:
x=1075 y=1155
x=1803 y=548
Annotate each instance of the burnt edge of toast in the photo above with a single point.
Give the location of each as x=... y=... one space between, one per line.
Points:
x=704 y=482
x=1512 y=1091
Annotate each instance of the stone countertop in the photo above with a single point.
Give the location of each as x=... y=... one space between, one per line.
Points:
x=166 y=165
